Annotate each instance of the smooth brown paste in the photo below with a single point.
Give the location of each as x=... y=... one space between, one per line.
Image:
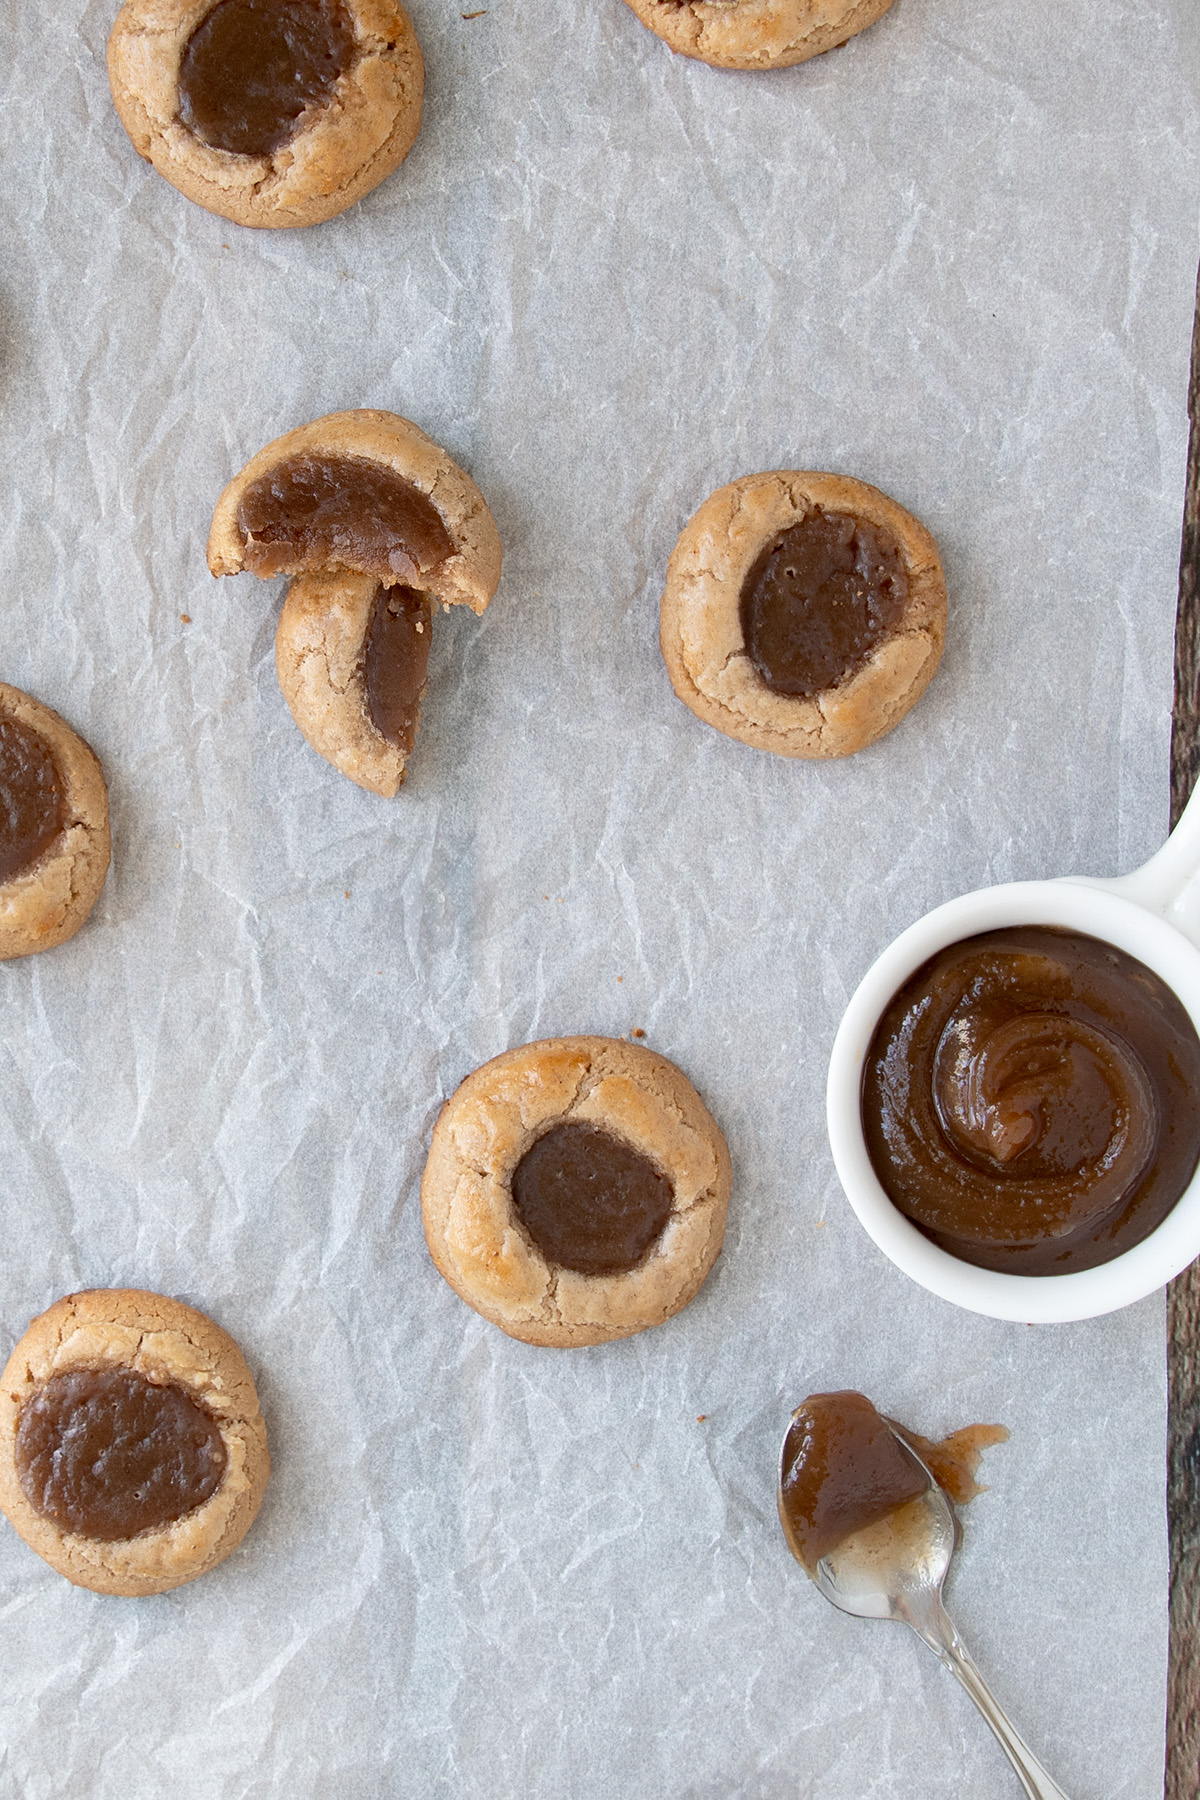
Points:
x=819 y=599
x=843 y=1470
x=341 y=512
x=590 y=1201
x=32 y=798
x=1031 y=1100
x=953 y=1460
x=253 y=68
x=396 y=661
x=107 y=1454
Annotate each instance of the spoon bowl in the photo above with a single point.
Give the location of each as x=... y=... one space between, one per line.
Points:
x=872 y=1573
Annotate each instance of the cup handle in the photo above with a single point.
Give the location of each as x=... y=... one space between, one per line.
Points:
x=1169 y=884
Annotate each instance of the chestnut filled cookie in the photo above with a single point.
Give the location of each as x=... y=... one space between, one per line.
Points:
x=803 y=613
x=756 y=34
x=268 y=112
x=54 y=835
x=133 y=1456
x=576 y=1191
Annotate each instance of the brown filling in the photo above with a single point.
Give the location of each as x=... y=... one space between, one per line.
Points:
x=253 y=68
x=590 y=1201
x=396 y=661
x=341 y=512
x=953 y=1460
x=107 y=1454
x=843 y=1470
x=32 y=798
x=819 y=599
x=1030 y=1100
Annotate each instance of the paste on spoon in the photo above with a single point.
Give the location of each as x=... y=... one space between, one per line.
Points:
x=843 y=1470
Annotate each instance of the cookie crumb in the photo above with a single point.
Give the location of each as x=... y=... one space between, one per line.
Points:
x=475 y=15
x=700 y=1418
x=347 y=893
x=620 y=978
x=185 y=618
x=637 y=1032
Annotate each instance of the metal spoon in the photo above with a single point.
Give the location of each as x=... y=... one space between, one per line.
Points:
x=895 y=1570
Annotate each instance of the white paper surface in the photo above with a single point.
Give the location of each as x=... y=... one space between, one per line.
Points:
x=955 y=258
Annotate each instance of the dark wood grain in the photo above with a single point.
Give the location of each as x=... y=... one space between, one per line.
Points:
x=1183 y=1295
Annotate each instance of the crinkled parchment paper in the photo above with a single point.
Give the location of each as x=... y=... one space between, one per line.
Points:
x=955 y=258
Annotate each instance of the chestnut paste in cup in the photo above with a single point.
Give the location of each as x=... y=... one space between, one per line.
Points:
x=32 y=809
x=341 y=512
x=819 y=598
x=843 y=1470
x=590 y=1201
x=253 y=68
x=107 y=1454
x=1031 y=1100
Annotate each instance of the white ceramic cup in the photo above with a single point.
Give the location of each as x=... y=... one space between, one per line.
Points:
x=1154 y=915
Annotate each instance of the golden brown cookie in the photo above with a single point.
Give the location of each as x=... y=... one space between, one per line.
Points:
x=133 y=1456
x=54 y=837
x=378 y=524
x=756 y=34
x=575 y=1191
x=271 y=113
x=803 y=613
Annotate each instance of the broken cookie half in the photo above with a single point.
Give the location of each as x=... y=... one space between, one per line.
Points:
x=377 y=525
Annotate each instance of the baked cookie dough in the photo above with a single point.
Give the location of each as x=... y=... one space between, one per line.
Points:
x=576 y=1191
x=377 y=524
x=803 y=613
x=271 y=113
x=54 y=836
x=756 y=34
x=133 y=1456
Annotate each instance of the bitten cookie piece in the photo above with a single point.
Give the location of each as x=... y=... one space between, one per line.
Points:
x=756 y=34
x=54 y=836
x=133 y=1456
x=378 y=524
x=576 y=1191
x=803 y=613
x=268 y=112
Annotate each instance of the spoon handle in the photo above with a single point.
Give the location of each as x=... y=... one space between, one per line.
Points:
x=934 y=1627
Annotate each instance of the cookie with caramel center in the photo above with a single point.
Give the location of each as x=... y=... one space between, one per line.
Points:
x=576 y=1191
x=379 y=526
x=756 y=34
x=54 y=831
x=271 y=113
x=133 y=1455
x=803 y=613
